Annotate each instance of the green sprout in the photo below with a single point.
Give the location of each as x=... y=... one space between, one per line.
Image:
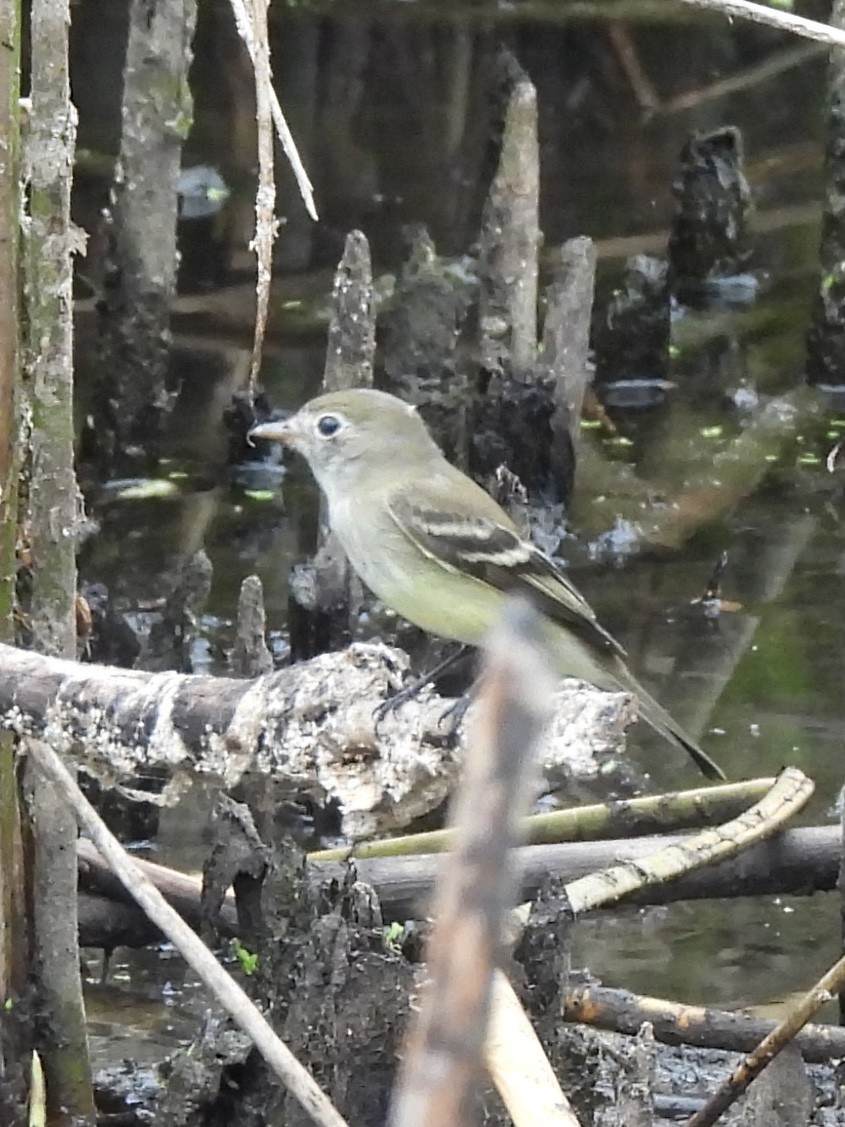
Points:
x=247 y=960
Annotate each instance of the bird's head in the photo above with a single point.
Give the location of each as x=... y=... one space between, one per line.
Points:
x=345 y=432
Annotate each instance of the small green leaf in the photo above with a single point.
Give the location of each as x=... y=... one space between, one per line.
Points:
x=393 y=936
x=247 y=960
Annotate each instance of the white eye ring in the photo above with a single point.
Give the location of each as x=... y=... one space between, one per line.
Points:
x=328 y=425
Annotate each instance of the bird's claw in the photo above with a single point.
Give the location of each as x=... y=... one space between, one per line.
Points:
x=402 y=696
x=453 y=715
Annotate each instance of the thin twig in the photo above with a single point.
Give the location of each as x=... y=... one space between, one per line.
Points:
x=774 y=17
x=824 y=990
x=265 y=196
x=306 y=190
x=769 y=68
x=227 y=992
x=626 y=52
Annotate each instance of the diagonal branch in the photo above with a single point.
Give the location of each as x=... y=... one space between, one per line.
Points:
x=774 y=17
x=245 y=30
x=227 y=992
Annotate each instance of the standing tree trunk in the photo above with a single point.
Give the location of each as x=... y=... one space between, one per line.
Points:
x=52 y=521
x=15 y=1031
x=133 y=403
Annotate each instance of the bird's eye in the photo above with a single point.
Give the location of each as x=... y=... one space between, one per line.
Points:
x=327 y=425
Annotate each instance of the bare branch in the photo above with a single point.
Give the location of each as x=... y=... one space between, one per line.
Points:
x=774 y=17
x=306 y=190
x=265 y=197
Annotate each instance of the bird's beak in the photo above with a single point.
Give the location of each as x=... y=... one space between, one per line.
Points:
x=280 y=430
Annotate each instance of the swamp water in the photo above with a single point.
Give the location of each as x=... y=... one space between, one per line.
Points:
x=763 y=681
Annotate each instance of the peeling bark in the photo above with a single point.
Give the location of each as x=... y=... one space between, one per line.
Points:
x=308 y=730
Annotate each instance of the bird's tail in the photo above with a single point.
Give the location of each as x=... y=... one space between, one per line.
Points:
x=659 y=719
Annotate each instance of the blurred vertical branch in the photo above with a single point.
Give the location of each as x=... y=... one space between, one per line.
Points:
x=51 y=522
x=475 y=886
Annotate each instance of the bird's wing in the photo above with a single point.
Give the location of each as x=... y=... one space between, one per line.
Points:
x=483 y=544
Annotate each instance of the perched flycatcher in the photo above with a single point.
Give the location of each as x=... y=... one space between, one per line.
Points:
x=437 y=549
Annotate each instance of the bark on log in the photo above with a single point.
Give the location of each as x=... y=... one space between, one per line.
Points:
x=309 y=728
x=798 y=861
x=181 y=890
x=676 y=1024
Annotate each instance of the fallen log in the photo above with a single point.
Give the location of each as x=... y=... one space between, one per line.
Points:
x=109 y=916
x=676 y=1024
x=309 y=729
x=798 y=862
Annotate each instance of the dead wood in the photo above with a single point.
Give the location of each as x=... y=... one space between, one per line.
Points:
x=676 y=1024
x=251 y=656
x=475 y=886
x=672 y=861
x=309 y=728
x=510 y=236
x=222 y=986
x=799 y=861
x=768 y=1049
x=181 y=890
x=325 y=594
x=131 y=401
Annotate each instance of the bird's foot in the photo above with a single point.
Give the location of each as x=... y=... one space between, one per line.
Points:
x=453 y=716
x=414 y=688
x=400 y=697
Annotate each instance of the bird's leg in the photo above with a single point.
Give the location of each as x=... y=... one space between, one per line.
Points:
x=453 y=716
x=408 y=692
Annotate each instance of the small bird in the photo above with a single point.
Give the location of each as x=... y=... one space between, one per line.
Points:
x=431 y=544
